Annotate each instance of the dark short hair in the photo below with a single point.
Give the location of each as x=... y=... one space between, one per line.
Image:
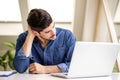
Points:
x=39 y=19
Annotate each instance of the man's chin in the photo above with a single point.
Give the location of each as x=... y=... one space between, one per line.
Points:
x=53 y=38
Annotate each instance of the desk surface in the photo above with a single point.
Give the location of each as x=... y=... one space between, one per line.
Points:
x=114 y=76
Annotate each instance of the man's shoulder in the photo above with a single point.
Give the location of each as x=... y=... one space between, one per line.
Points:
x=64 y=33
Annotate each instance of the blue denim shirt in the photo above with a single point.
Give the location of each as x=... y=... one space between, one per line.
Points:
x=57 y=52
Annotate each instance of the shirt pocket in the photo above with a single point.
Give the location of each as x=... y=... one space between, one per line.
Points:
x=59 y=54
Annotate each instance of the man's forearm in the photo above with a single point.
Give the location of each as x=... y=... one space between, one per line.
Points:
x=52 y=69
x=27 y=45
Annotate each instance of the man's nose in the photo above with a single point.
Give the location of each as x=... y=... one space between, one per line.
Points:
x=53 y=31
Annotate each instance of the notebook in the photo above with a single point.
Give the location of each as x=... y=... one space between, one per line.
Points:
x=92 y=59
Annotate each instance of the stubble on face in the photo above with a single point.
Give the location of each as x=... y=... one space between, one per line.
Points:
x=49 y=33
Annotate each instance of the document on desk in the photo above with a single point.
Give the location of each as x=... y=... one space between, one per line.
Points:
x=7 y=73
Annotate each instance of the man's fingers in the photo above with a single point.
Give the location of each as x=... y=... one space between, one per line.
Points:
x=32 y=67
x=34 y=72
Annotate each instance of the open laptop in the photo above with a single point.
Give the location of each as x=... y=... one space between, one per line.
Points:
x=92 y=59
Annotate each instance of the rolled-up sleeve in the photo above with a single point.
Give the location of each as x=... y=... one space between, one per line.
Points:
x=63 y=67
x=21 y=53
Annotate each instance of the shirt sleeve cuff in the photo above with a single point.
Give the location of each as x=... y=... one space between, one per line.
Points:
x=21 y=53
x=63 y=67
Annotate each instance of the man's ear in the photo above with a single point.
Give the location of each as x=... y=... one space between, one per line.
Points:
x=35 y=33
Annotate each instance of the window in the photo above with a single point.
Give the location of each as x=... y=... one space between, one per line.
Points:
x=60 y=10
x=9 y=10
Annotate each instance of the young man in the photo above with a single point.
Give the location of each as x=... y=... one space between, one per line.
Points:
x=43 y=48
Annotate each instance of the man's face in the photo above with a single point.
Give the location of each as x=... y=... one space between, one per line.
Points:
x=49 y=33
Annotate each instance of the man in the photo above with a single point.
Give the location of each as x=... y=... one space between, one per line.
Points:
x=43 y=48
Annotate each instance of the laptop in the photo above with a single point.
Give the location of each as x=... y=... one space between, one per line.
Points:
x=91 y=59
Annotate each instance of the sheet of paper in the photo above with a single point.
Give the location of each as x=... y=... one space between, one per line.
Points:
x=6 y=73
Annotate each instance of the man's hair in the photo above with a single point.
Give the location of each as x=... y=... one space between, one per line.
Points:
x=39 y=19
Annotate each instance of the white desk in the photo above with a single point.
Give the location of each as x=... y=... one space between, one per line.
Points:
x=114 y=76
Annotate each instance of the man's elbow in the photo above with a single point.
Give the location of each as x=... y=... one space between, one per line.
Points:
x=20 y=70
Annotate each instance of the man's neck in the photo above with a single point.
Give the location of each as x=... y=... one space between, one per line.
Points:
x=43 y=42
